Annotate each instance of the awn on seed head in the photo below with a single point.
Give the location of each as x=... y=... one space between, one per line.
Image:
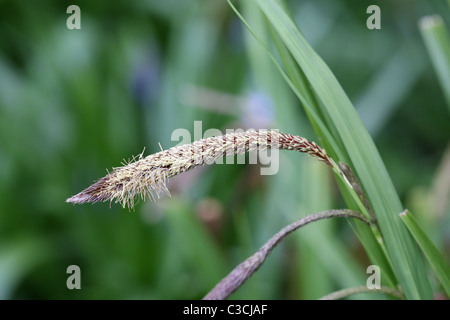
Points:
x=146 y=177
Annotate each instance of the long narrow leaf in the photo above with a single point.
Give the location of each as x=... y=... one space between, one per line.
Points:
x=297 y=81
x=365 y=159
x=436 y=260
x=437 y=42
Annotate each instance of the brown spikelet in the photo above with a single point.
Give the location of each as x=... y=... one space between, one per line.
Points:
x=147 y=177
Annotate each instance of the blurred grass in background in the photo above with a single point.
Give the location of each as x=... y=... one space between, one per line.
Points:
x=75 y=102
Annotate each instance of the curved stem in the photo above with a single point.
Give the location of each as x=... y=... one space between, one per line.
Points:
x=242 y=272
x=351 y=291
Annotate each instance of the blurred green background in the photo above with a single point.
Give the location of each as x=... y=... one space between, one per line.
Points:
x=76 y=102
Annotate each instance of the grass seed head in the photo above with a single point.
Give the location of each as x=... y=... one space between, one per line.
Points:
x=146 y=177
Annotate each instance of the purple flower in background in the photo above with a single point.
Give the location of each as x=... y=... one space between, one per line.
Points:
x=258 y=111
x=145 y=80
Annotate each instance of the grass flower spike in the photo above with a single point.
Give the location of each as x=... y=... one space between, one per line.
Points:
x=147 y=176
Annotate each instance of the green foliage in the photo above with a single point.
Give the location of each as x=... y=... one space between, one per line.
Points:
x=437 y=261
x=437 y=41
x=76 y=102
x=361 y=151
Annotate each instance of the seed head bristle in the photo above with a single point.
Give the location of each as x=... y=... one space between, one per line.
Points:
x=144 y=178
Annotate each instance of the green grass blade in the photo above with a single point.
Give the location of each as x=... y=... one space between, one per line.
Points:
x=365 y=159
x=437 y=42
x=297 y=81
x=436 y=260
x=300 y=93
x=319 y=240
